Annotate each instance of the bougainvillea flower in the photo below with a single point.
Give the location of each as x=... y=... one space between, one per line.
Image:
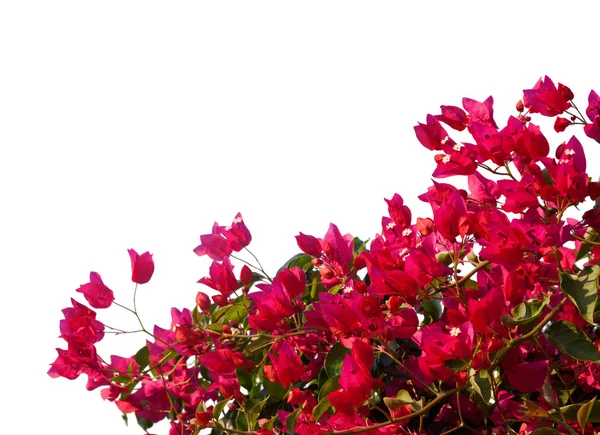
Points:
x=592 y=129
x=96 y=293
x=355 y=380
x=481 y=113
x=309 y=245
x=225 y=361
x=221 y=279
x=545 y=98
x=80 y=325
x=142 y=266
x=483 y=190
x=454 y=117
x=287 y=364
x=432 y=135
x=527 y=377
x=561 y=124
x=451 y=218
x=214 y=245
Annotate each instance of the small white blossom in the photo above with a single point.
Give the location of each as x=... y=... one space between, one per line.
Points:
x=569 y=152
x=407 y=232
x=444 y=140
x=390 y=225
x=457 y=147
x=455 y=331
x=446 y=158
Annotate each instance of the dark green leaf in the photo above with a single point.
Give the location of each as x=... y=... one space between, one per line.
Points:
x=144 y=423
x=584 y=413
x=571 y=341
x=582 y=290
x=218 y=408
x=482 y=384
x=360 y=245
x=525 y=313
x=457 y=364
x=254 y=412
x=334 y=359
x=245 y=378
x=300 y=260
x=291 y=420
x=321 y=408
x=570 y=412
x=275 y=389
x=331 y=385
x=141 y=357
x=432 y=311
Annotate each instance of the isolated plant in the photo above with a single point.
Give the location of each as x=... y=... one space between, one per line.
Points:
x=479 y=320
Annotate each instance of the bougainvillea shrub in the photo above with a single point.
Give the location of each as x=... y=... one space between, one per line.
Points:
x=480 y=319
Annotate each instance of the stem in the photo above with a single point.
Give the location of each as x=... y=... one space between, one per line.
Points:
x=424 y=410
x=465 y=278
x=531 y=334
x=589 y=242
x=259 y=265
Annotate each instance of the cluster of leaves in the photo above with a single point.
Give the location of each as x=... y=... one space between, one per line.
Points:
x=479 y=320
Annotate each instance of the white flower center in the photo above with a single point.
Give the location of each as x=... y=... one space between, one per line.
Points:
x=455 y=331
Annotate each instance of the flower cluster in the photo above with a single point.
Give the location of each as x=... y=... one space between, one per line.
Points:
x=482 y=319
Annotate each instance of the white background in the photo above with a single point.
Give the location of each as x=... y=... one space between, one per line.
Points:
x=136 y=124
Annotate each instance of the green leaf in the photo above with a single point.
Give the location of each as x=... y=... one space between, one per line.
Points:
x=321 y=408
x=334 y=359
x=432 y=311
x=584 y=413
x=300 y=260
x=121 y=379
x=245 y=378
x=582 y=290
x=571 y=341
x=218 y=408
x=525 y=313
x=218 y=313
x=270 y=423
x=144 y=423
x=585 y=248
x=571 y=412
x=482 y=384
x=291 y=420
x=236 y=312
x=360 y=245
x=257 y=343
x=402 y=398
x=457 y=364
x=331 y=385
x=275 y=389
x=254 y=412
x=141 y=357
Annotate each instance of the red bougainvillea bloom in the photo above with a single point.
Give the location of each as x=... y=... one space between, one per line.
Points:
x=223 y=240
x=545 y=99
x=96 y=293
x=142 y=266
x=287 y=364
x=593 y=112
